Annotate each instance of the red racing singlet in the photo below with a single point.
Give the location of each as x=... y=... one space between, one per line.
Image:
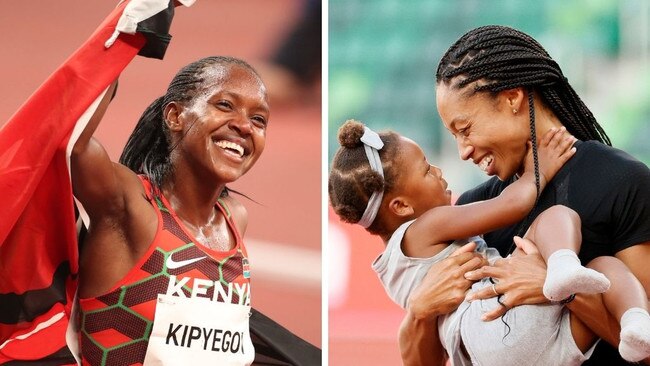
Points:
x=116 y=326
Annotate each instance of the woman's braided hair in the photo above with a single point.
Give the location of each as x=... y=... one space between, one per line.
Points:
x=352 y=181
x=505 y=58
x=502 y=58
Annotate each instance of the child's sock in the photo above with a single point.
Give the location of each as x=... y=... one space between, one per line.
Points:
x=635 y=335
x=565 y=276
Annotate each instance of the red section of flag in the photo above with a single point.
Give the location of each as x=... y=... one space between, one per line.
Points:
x=37 y=229
x=44 y=342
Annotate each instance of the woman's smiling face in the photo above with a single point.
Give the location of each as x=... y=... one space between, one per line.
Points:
x=224 y=125
x=487 y=129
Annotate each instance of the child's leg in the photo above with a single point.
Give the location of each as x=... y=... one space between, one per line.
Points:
x=627 y=301
x=556 y=233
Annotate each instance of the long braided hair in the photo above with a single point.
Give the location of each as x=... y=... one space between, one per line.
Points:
x=506 y=58
x=148 y=149
x=503 y=58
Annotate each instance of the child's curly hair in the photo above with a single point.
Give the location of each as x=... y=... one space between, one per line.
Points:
x=352 y=181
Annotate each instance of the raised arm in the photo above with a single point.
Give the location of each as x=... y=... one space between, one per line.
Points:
x=445 y=223
x=95 y=179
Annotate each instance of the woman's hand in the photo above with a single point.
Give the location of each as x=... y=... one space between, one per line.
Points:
x=441 y=291
x=444 y=286
x=518 y=279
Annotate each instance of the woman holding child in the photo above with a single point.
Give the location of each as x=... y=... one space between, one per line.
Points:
x=497 y=91
x=489 y=84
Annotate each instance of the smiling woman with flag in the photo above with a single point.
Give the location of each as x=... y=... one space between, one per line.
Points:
x=38 y=250
x=163 y=272
x=162 y=277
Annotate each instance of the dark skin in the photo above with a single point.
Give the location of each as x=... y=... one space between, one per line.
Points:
x=441 y=291
x=422 y=194
x=231 y=105
x=497 y=127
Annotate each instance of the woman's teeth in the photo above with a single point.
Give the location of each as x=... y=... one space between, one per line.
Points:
x=231 y=146
x=483 y=165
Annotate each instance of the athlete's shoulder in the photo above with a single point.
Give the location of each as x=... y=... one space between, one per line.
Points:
x=603 y=172
x=598 y=157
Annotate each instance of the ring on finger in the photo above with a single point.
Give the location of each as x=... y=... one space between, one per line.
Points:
x=494 y=289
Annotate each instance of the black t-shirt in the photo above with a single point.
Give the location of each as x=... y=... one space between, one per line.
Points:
x=610 y=191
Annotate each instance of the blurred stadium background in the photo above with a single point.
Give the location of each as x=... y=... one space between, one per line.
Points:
x=284 y=231
x=382 y=60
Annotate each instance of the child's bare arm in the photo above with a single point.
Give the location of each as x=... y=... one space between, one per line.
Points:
x=446 y=223
x=554 y=149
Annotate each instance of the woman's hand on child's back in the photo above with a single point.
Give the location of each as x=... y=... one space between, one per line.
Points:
x=519 y=279
x=554 y=149
x=444 y=287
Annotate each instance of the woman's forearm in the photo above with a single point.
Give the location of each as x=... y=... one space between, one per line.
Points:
x=419 y=342
x=591 y=310
x=441 y=291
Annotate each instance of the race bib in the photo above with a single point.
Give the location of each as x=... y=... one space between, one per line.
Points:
x=199 y=331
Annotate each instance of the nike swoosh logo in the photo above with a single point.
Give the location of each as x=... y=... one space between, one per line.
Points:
x=172 y=264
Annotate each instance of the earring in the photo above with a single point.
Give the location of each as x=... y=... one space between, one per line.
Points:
x=514 y=111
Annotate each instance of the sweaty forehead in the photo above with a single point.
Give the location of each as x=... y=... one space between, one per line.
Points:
x=228 y=73
x=232 y=77
x=215 y=73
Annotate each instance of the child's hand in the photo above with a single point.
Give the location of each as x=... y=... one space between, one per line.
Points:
x=554 y=149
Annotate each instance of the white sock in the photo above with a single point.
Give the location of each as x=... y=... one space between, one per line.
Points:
x=635 y=335
x=565 y=276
